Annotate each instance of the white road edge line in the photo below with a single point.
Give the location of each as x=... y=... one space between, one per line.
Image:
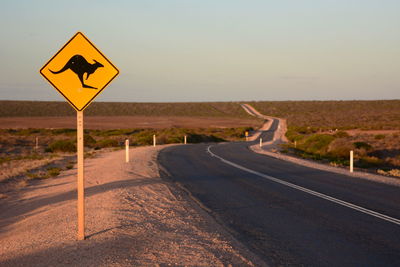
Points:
x=320 y=195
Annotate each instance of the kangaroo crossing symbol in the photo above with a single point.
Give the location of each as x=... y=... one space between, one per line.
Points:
x=79 y=71
x=80 y=66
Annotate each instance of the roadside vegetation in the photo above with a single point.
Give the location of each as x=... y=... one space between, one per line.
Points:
x=319 y=130
x=370 y=151
x=14 y=141
x=22 y=162
x=328 y=130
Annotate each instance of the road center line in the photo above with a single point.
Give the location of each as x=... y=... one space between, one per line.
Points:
x=311 y=192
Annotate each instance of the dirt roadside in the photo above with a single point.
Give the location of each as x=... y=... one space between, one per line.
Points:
x=133 y=218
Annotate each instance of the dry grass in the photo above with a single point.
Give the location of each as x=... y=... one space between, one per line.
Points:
x=20 y=161
x=369 y=151
x=394 y=172
x=124 y=122
x=14 y=168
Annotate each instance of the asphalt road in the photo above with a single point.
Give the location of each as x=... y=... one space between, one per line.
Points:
x=290 y=214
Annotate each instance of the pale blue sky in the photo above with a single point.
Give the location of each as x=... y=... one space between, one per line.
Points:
x=210 y=50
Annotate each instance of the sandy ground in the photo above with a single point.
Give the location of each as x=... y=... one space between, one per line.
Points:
x=133 y=218
x=118 y=122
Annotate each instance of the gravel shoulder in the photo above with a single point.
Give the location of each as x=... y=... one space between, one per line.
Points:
x=133 y=218
x=324 y=167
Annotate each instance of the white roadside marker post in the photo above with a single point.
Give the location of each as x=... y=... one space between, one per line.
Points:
x=127 y=150
x=351 y=161
x=154 y=140
x=37 y=143
x=185 y=139
x=81 y=182
x=260 y=142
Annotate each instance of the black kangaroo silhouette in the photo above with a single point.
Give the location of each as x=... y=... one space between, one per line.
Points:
x=79 y=65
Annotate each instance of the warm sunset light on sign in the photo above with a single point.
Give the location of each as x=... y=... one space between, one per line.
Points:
x=79 y=71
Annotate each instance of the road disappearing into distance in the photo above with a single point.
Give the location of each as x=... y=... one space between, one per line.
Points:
x=286 y=213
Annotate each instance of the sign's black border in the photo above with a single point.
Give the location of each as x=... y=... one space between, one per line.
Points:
x=99 y=90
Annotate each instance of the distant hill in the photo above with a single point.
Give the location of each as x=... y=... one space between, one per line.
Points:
x=58 y=109
x=376 y=114
x=367 y=115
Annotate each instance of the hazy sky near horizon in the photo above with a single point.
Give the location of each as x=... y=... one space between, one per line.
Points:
x=211 y=50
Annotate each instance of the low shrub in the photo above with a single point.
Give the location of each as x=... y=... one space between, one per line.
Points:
x=69 y=166
x=144 y=140
x=317 y=143
x=362 y=145
x=305 y=129
x=66 y=131
x=29 y=131
x=89 y=141
x=107 y=143
x=114 y=132
x=339 y=162
x=292 y=135
x=62 y=146
x=52 y=172
x=393 y=172
x=340 y=151
x=368 y=162
x=341 y=134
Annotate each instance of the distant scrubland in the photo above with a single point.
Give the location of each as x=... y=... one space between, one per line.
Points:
x=321 y=130
x=328 y=130
x=342 y=115
x=20 y=158
x=59 y=109
x=325 y=115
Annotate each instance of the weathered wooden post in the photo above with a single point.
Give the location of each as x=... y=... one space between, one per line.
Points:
x=77 y=50
x=81 y=181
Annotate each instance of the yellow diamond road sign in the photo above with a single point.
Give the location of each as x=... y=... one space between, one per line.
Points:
x=79 y=71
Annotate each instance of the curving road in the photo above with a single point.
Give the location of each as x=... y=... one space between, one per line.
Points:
x=290 y=214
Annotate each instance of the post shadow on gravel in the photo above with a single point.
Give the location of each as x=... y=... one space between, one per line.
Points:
x=25 y=208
